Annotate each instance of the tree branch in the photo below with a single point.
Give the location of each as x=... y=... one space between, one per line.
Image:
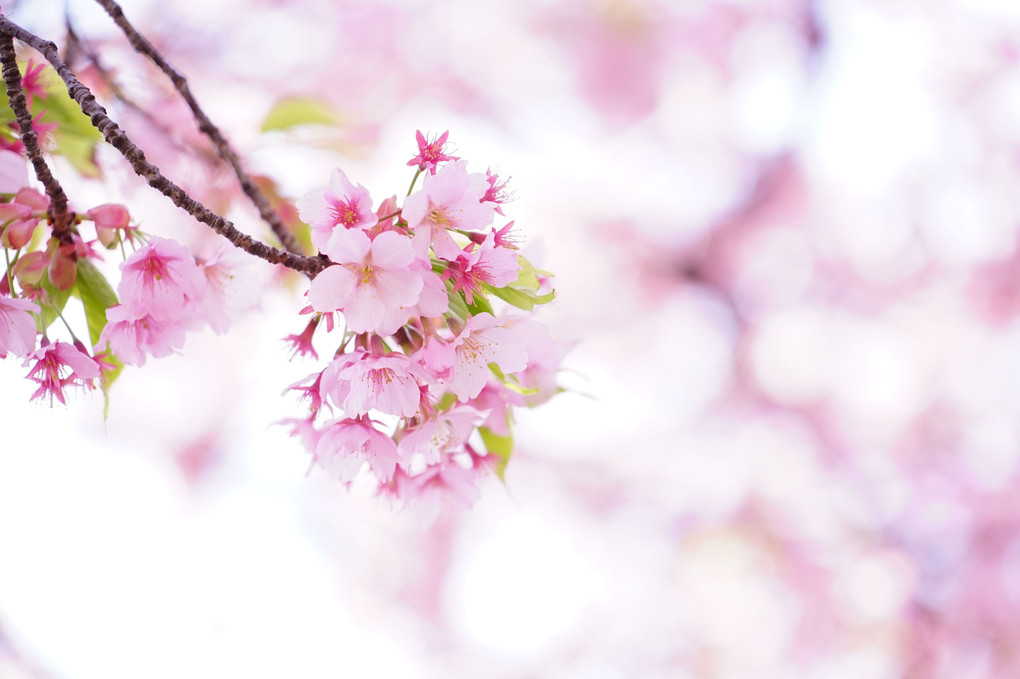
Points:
x=223 y=148
x=117 y=138
x=16 y=96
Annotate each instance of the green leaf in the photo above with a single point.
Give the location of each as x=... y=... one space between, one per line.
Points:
x=479 y=304
x=522 y=299
x=96 y=295
x=500 y=446
x=295 y=111
x=75 y=137
x=53 y=304
x=108 y=379
x=527 y=277
x=446 y=402
x=458 y=306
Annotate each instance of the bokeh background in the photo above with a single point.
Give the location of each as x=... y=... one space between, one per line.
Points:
x=785 y=239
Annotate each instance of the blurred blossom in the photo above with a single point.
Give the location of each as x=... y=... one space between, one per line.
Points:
x=786 y=238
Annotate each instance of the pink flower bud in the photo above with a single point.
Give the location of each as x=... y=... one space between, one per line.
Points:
x=32 y=199
x=18 y=234
x=109 y=216
x=30 y=268
x=63 y=269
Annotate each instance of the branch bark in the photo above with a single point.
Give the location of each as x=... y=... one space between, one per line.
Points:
x=205 y=125
x=58 y=214
x=117 y=138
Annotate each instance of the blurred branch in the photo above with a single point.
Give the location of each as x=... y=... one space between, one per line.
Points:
x=16 y=96
x=226 y=152
x=117 y=138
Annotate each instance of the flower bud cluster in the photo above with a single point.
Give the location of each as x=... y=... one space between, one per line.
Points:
x=164 y=290
x=420 y=391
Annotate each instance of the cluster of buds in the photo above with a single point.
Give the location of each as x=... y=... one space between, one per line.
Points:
x=429 y=363
x=44 y=270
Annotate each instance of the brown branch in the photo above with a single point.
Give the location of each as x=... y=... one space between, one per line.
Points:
x=58 y=215
x=117 y=138
x=205 y=125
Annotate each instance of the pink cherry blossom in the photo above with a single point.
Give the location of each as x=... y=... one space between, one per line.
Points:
x=32 y=82
x=442 y=435
x=13 y=171
x=346 y=445
x=363 y=381
x=337 y=209
x=449 y=199
x=372 y=278
x=301 y=344
x=485 y=263
x=58 y=366
x=161 y=280
x=432 y=303
x=444 y=485
x=545 y=353
x=481 y=342
x=133 y=338
x=309 y=390
x=230 y=291
x=17 y=326
x=431 y=152
x=497 y=192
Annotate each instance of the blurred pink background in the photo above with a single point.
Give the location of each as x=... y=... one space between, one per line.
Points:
x=785 y=240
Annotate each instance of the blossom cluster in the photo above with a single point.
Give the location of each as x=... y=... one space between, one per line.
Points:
x=164 y=290
x=418 y=396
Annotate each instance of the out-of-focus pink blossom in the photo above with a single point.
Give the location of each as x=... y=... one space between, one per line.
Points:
x=13 y=172
x=443 y=435
x=17 y=326
x=346 y=445
x=133 y=338
x=161 y=280
x=301 y=344
x=443 y=485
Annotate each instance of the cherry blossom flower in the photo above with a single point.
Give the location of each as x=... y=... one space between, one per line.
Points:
x=133 y=338
x=161 y=280
x=431 y=152
x=372 y=278
x=58 y=366
x=17 y=326
x=340 y=208
x=443 y=485
x=363 y=381
x=229 y=290
x=346 y=445
x=32 y=81
x=497 y=192
x=449 y=199
x=301 y=344
x=442 y=435
x=485 y=263
x=481 y=342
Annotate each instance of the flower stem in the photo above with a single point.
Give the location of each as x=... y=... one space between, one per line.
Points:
x=414 y=180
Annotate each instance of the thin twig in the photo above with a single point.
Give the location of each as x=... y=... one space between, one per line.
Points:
x=16 y=96
x=226 y=152
x=117 y=138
